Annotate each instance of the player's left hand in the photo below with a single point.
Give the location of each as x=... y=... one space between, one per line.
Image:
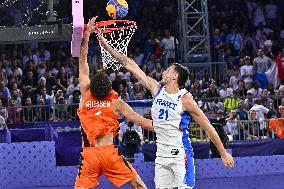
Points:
x=91 y=25
x=227 y=160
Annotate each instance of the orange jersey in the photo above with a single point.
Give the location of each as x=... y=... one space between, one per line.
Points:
x=278 y=126
x=97 y=117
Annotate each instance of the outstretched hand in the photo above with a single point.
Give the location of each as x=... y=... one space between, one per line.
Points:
x=227 y=160
x=102 y=41
x=91 y=25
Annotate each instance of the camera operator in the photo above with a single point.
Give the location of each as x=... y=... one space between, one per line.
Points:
x=129 y=136
x=219 y=124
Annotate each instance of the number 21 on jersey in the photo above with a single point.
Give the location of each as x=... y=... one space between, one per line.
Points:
x=164 y=114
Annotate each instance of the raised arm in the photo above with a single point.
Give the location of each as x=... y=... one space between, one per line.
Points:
x=122 y=108
x=190 y=106
x=131 y=66
x=83 y=65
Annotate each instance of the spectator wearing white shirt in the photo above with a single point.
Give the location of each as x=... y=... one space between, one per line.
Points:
x=271 y=13
x=138 y=56
x=115 y=74
x=225 y=91
x=30 y=56
x=261 y=112
x=255 y=91
x=74 y=86
x=247 y=72
x=169 y=43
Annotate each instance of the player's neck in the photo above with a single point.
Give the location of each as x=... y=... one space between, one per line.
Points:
x=172 y=88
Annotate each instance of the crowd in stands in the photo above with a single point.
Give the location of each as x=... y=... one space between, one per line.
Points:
x=247 y=34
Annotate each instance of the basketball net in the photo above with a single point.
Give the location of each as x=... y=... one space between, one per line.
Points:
x=117 y=34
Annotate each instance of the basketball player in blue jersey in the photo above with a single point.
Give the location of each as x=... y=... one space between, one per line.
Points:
x=171 y=111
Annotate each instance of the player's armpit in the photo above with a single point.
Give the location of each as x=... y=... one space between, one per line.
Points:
x=124 y=109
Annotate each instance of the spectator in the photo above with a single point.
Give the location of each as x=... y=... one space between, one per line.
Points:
x=4 y=93
x=47 y=99
x=73 y=104
x=234 y=41
x=29 y=80
x=60 y=109
x=261 y=113
x=260 y=66
x=247 y=73
x=62 y=79
x=138 y=56
x=271 y=13
x=14 y=113
x=115 y=74
x=15 y=95
x=30 y=56
x=231 y=103
x=225 y=91
x=258 y=14
x=157 y=73
x=28 y=112
x=126 y=126
x=169 y=43
x=255 y=90
x=233 y=126
x=74 y=86
x=50 y=83
x=43 y=112
x=3 y=111
x=242 y=111
x=196 y=90
x=241 y=88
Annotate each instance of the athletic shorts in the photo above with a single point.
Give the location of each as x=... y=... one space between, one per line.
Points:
x=174 y=172
x=103 y=160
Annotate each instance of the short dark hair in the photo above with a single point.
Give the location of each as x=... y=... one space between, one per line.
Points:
x=100 y=85
x=183 y=74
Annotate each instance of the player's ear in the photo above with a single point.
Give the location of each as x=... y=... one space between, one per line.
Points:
x=174 y=76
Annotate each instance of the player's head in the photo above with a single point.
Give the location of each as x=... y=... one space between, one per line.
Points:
x=101 y=85
x=175 y=73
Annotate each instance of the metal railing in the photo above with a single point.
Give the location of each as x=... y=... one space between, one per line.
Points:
x=66 y=112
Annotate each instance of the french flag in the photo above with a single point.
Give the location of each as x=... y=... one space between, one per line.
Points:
x=275 y=73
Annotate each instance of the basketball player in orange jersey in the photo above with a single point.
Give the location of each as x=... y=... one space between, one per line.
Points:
x=98 y=112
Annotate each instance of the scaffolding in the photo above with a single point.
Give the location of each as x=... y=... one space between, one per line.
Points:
x=194 y=31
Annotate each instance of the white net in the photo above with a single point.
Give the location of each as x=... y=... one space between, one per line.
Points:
x=118 y=39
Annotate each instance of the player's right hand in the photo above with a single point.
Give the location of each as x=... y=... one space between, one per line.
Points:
x=227 y=160
x=91 y=25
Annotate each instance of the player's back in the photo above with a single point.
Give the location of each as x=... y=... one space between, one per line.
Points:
x=97 y=117
x=169 y=120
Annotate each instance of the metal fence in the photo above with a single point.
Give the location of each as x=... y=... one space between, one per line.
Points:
x=238 y=130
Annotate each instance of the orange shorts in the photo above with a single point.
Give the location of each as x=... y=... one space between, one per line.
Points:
x=105 y=160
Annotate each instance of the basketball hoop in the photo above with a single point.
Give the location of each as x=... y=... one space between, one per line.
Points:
x=117 y=34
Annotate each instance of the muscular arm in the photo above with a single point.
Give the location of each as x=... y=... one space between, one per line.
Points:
x=190 y=106
x=131 y=66
x=126 y=110
x=83 y=65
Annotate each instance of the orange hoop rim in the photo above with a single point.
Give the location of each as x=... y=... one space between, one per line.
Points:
x=101 y=24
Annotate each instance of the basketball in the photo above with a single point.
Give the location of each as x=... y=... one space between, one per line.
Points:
x=117 y=9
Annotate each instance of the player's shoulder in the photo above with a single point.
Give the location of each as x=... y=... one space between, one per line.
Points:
x=187 y=97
